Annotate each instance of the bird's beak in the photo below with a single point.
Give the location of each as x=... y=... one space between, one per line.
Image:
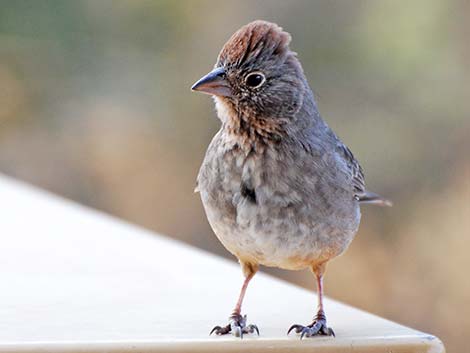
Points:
x=214 y=83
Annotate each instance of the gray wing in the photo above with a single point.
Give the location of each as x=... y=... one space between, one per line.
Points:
x=358 y=180
x=355 y=170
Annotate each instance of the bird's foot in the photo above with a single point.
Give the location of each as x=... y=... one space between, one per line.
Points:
x=316 y=328
x=236 y=325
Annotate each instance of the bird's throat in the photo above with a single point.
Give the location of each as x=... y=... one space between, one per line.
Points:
x=248 y=129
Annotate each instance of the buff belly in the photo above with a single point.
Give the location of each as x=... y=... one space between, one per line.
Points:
x=254 y=237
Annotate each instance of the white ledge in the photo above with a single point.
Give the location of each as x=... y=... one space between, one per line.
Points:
x=76 y=280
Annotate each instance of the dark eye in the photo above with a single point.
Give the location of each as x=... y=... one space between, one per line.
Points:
x=255 y=79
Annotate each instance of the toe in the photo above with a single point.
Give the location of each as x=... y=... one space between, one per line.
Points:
x=297 y=328
x=237 y=331
x=309 y=332
x=219 y=330
x=215 y=329
x=315 y=329
x=251 y=328
x=237 y=327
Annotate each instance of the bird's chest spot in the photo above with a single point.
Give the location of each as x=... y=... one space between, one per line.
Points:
x=239 y=173
x=241 y=177
x=251 y=172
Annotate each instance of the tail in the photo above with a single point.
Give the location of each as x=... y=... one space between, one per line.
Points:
x=374 y=199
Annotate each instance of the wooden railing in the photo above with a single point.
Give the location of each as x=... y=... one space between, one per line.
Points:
x=76 y=280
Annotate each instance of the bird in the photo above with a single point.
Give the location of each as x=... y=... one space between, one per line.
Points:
x=278 y=186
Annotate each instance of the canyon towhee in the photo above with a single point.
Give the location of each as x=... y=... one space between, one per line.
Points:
x=278 y=186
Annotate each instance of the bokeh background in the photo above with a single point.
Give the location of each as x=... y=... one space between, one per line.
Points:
x=95 y=105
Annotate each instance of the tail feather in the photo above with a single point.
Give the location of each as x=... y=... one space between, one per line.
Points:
x=374 y=199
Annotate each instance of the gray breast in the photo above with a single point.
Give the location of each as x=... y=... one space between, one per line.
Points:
x=275 y=206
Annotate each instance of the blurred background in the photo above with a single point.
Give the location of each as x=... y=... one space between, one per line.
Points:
x=95 y=106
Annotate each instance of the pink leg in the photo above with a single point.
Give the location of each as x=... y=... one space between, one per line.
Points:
x=318 y=326
x=237 y=323
x=238 y=307
x=320 y=312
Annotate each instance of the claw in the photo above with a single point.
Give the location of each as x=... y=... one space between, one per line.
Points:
x=252 y=328
x=237 y=326
x=216 y=328
x=220 y=330
x=318 y=327
x=297 y=328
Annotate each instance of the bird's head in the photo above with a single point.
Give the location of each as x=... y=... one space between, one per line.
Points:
x=256 y=77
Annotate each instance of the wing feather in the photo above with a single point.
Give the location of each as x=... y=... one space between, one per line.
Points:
x=358 y=180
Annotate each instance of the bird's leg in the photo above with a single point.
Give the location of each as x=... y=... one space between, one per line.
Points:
x=237 y=323
x=318 y=326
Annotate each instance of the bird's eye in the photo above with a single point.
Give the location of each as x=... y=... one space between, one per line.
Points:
x=255 y=79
